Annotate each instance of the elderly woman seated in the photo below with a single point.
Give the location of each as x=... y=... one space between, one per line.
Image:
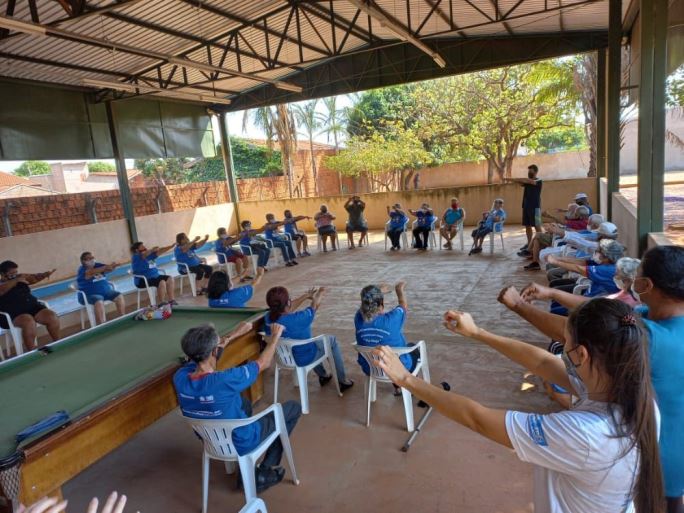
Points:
x=324 y=224
x=486 y=225
x=297 y=323
x=376 y=327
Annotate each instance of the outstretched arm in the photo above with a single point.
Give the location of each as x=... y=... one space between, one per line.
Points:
x=571 y=265
x=551 y=325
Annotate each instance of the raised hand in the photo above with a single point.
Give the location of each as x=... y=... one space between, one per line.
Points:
x=401 y=285
x=509 y=297
x=45 y=505
x=276 y=330
x=114 y=504
x=391 y=365
x=461 y=323
x=534 y=291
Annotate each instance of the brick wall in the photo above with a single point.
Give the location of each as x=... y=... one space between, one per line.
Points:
x=41 y=213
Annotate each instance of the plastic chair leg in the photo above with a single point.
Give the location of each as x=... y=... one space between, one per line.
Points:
x=333 y=369
x=285 y=442
x=152 y=293
x=18 y=340
x=303 y=389
x=369 y=393
x=192 y=279
x=408 y=409
x=248 y=478
x=91 y=315
x=276 y=379
x=205 y=482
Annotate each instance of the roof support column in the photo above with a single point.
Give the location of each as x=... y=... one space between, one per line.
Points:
x=613 y=102
x=651 y=140
x=121 y=174
x=600 y=123
x=227 y=154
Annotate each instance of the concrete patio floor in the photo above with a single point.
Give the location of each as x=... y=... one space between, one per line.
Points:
x=343 y=466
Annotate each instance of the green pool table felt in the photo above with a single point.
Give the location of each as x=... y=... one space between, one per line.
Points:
x=95 y=366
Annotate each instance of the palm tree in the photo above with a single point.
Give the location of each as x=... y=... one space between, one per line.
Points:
x=309 y=120
x=334 y=123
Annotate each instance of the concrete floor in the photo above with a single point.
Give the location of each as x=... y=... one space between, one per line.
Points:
x=343 y=466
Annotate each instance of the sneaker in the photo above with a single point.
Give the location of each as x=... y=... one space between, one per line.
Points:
x=524 y=253
x=446 y=245
x=524 y=247
x=294 y=262
x=267 y=477
x=324 y=380
x=306 y=254
x=534 y=266
x=477 y=250
x=346 y=386
x=289 y=264
x=173 y=302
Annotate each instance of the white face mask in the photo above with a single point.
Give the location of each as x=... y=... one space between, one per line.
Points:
x=224 y=236
x=619 y=283
x=597 y=258
x=577 y=383
x=90 y=263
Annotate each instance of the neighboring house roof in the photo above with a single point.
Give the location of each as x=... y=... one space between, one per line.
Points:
x=10 y=191
x=132 y=173
x=10 y=180
x=301 y=144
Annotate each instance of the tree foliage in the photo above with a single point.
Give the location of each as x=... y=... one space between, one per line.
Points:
x=384 y=157
x=33 y=167
x=249 y=161
x=164 y=171
x=101 y=167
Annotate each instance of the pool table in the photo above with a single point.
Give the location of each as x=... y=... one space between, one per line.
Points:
x=112 y=380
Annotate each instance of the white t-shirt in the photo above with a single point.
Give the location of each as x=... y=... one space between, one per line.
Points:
x=580 y=467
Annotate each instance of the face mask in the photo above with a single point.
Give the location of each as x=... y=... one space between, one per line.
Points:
x=597 y=258
x=530 y=175
x=248 y=227
x=638 y=295
x=619 y=283
x=577 y=383
x=89 y=263
x=12 y=276
x=224 y=236
x=454 y=205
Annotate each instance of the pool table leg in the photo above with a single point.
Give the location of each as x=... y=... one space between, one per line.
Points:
x=256 y=391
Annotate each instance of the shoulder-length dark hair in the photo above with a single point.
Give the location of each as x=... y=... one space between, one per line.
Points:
x=218 y=284
x=277 y=299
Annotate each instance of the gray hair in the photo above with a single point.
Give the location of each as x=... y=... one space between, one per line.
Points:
x=199 y=342
x=595 y=220
x=611 y=249
x=628 y=267
x=582 y=212
x=372 y=300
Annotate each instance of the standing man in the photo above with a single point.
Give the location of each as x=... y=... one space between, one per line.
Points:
x=356 y=223
x=531 y=205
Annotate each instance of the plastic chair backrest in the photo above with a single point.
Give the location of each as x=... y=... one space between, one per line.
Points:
x=498 y=227
x=217 y=435
x=367 y=354
x=284 y=349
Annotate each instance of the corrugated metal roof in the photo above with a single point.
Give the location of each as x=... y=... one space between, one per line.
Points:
x=258 y=31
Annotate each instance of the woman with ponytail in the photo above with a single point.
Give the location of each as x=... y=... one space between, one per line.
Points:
x=602 y=455
x=297 y=324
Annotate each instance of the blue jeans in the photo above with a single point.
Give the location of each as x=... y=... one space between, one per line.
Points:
x=286 y=248
x=262 y=253
x=337 y=358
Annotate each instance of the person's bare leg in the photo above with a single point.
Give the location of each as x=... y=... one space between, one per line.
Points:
x=298 y=243
x=161 y=292
x=170 y=285
x=528 y=234
x=120 y=304
x=50 y=320
x=536 y=249
x=305 y=242
x=28 y=330
x=324 y=239
x=350 y=236
x=335 y=241
x=99 y=312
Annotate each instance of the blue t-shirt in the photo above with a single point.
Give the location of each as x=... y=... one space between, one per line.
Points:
x=424 y=218
x=144 y=266
x=217 y=396
x=500 y=213
x=453 y=215
x=222 y=251
x=297 y=327
x=667 y=376
x=233 y=298
x=96 y=284
x=384 y=330
x=245 y=238
x=271 y=234
x=188 y=257
x=601 y=277
x=397 y=220
x=290 y=228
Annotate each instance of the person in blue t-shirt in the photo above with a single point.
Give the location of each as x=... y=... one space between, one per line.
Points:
x=297 y=235
x=249 y=243
x=206 y=393
x=222 y=294
x=496 y=215
x=143 y=263
x=396 y=225
x=376 y=327
x=225 y=252
x=453 y=216
x=92 y=280
x=422 y=226
x=298 y=324
x=185 y=254
x=271 y=233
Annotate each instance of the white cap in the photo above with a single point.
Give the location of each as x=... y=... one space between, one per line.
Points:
x=608 y=229
x=581 y=195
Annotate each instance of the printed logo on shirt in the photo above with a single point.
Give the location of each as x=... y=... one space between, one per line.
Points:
x=535 y=428
x=206 y=399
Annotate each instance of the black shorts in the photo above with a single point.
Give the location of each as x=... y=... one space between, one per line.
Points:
x=479 y=233
x=360 y=227
x=531 y=216
x=326 y=230
x=201 y=271
x=31 y=310
x=153 y=282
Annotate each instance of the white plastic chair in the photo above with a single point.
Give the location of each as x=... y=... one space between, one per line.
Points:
x=217 y=438
x=290 y=239
x=276 y=253
x=226 y=266
x=191 y=277
x=432 y=237
x=247 y=250
x=582 y=285
x=378 y=375
x=497 y=229
x=87 y=308
x=254 y=506
x=12 y=334
x=404 y=234
x=285 y=361
x=151 y=291
x=319 y=240
x=459 y=229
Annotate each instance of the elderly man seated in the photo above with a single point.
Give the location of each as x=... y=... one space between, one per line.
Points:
x=207 y=393
x=486 y=225
x=541 y=241
x=23 y=308
x=92 y=281
x=452 y=217
x=565 y=239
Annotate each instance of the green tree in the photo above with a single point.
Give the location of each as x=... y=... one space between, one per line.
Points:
x=563 y=138
x=249 y=160
x=490 y=113
x=101 y=167
x=383 y=157
x=307 y=118
x=164 y=171
x=33 y=167
x=378 y=106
